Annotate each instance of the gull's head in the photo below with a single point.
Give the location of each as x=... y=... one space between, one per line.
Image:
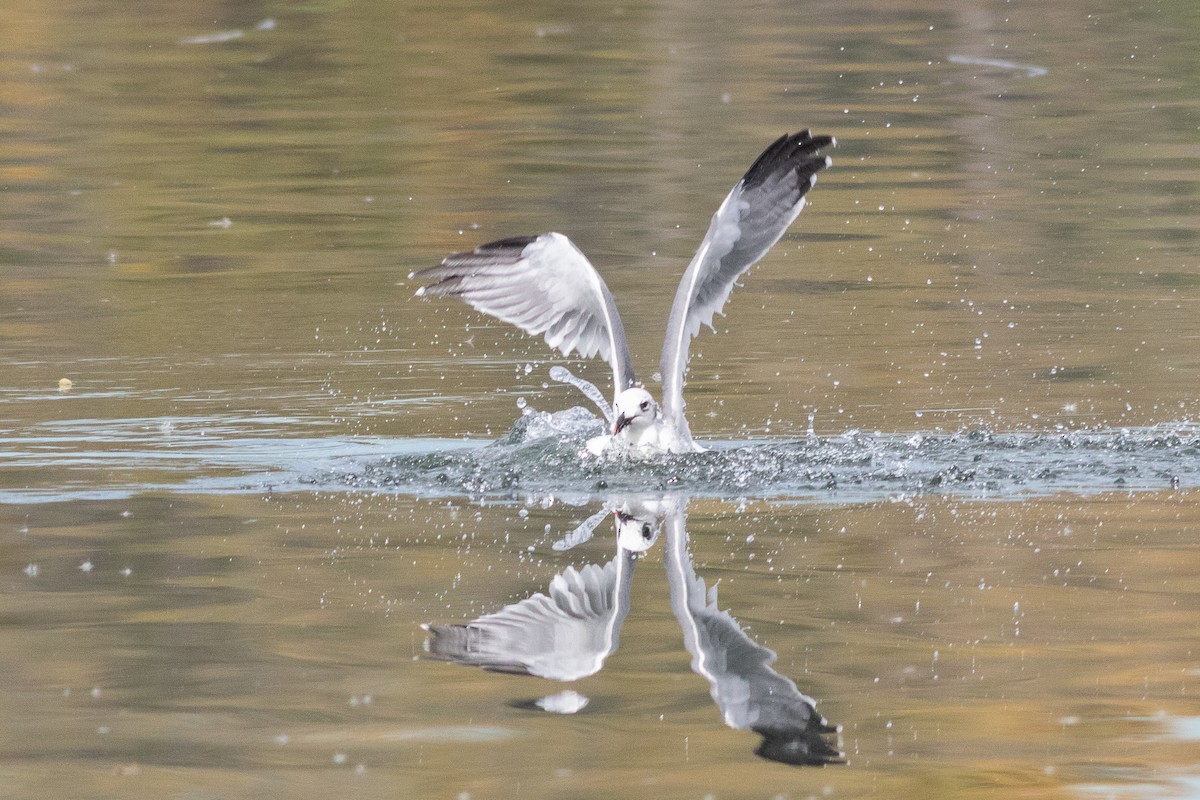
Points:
x=635 y=410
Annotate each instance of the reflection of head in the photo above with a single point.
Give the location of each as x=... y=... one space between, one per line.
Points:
x=636 y=533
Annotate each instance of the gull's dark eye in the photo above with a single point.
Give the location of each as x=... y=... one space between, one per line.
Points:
x=646 y=531
x=645 y=405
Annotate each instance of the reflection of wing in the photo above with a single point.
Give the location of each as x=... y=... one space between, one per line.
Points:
x=582 y=533
x=564 y=635
x=750 y=694
x=753 y=695
x=753 y=217
x=543 y=285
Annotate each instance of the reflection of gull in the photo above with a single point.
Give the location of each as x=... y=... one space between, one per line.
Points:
x=545 y=285
x=569 y=633
x=565 y=635
x=750 y=694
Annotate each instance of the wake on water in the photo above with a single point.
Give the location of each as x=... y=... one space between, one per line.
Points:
x=543 y=456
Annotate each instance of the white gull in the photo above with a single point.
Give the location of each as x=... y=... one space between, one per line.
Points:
x=545 y=285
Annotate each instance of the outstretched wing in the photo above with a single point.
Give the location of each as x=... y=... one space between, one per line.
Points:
x=742 y=682
x=752 y=218
x=543 y=285
x=563 y=635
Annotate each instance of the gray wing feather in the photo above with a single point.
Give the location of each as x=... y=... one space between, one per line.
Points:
x=545 y=286
x=742 y=682
x=752 y=218
x=563 y=635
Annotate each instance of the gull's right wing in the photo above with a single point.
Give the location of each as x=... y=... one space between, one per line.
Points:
x=545 y=286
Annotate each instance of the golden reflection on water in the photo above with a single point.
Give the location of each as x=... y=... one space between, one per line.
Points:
x=962 y=645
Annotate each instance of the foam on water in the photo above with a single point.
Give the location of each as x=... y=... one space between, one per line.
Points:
x=541 y=456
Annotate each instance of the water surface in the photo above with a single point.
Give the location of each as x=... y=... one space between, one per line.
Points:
x=953 y=414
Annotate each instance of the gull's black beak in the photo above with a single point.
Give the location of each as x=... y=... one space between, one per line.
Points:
x=621 y=424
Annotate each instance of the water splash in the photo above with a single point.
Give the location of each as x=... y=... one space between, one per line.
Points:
x=1030 y=70
x=564 y=375
x=542 y=456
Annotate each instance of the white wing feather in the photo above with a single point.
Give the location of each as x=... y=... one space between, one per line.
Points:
x=752 y=218
x=545 y=286
x=563 y=635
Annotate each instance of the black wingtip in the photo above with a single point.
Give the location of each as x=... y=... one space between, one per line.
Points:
x=517 y=243
x=799 y=151
x=801 y=747
x=445 y=278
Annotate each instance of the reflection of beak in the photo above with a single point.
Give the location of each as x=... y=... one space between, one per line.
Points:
x=621 y=424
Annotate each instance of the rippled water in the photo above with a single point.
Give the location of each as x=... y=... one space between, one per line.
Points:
x=544 y=456
x=252 y=490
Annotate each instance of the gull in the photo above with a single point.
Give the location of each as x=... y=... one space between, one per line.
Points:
x=546 y=286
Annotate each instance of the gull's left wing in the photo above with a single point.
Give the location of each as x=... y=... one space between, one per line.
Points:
x=749 y=222
x=741 y=680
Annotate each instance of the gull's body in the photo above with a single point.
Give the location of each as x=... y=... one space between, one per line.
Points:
x=545 y=285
